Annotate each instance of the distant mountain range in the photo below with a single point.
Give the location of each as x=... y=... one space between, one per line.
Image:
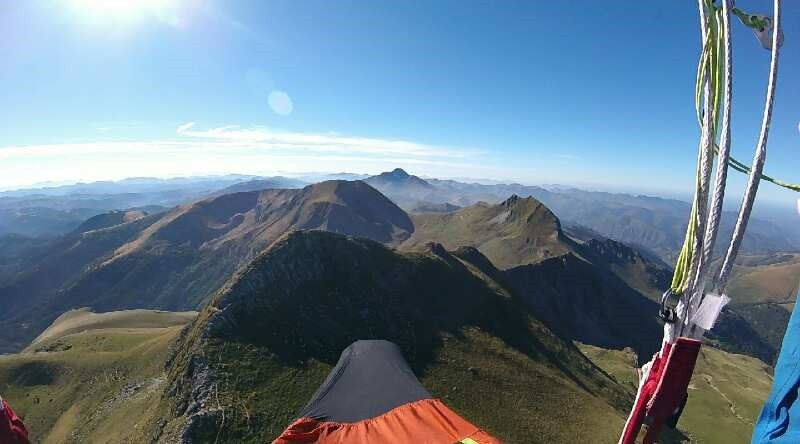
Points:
x=130 y=185
x=53 y=211
x=652 y=223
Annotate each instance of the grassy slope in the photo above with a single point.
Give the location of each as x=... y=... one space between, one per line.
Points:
x=762 y=290
x=514 y=397
x=757 y=282
x=94 y=386
x=76 y=321
x=725 y=395
x=519 y=399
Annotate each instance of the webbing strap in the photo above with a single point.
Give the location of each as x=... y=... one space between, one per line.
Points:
x=662 y=392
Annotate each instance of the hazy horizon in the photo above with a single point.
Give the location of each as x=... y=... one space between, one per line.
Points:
x=311 y=176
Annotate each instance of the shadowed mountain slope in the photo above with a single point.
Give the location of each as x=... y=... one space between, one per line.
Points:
x=643 y=272
x=16 y=251
x=275 y=329
x=587 y=303
x=48 y=273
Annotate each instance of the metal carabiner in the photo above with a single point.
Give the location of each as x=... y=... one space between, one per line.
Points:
x=667 y=313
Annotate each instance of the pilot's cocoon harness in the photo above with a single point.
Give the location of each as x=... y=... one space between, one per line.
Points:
x=372 y=396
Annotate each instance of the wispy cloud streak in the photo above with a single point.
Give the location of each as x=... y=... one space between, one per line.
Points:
x=265 y=138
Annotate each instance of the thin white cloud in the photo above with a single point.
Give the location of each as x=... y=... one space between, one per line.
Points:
x=566 y=156
x=264 y=138
x=223 y=150
x=185 y=127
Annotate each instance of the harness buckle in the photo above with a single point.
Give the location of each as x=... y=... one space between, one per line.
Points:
x=667 y=313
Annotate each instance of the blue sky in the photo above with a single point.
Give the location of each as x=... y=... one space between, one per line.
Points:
x=573 y=92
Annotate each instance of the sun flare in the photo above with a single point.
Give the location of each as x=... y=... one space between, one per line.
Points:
x=121 y=10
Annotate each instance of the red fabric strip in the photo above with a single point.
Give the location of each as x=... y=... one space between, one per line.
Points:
x=12 y=430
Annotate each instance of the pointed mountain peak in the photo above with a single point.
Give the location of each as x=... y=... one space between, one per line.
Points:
x=399 y=173
x=398 y=177
x=511 y=201
x=524 y=205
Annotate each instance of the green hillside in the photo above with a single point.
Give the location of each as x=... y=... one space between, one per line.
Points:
x=77 y=321
x=725 y=395
x=97 y=385
x=773 y=278
x=763 y=289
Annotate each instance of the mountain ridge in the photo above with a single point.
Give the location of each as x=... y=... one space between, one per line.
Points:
x=653 y=223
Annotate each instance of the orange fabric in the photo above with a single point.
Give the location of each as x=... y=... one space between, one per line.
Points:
x=428 y=421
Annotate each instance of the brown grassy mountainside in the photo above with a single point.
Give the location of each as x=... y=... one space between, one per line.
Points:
x=177 y=259
x=516 y=232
